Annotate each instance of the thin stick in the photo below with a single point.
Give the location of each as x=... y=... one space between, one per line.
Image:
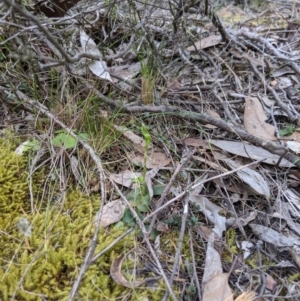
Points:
x=111 y=245
x=201 y=182
x=186 y=157
x=144 y=231
x=179 y=245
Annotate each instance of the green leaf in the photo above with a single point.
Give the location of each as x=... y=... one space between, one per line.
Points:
x=287 y=130
x=153 y=234
x=143 y=204
x=64 y=140
x=158 y=189
x=140 y=198
x=146 y=135
x=128 y=218
x=83 y=136
x=27 y=146
x=118 y=225
x=32 y=145
x=134 y=195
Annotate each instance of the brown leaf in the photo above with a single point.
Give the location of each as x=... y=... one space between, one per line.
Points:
x=137 y=141
x=210 y=41
x=162 y=227
x=112 y=213
x=117 y=276
x=125 y=178
x=217 y=289
x=270 y=282
x=250 y=151
x=154 y=160
x=255 y=120
x=197 y=142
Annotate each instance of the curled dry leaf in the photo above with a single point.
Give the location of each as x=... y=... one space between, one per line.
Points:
x=98 y=67
x=295 y=253
x=294 y=146
x=270 y=282
x=292 y=197
x=112 y=213
x=117 y=276
x=211 y=211
x=75 y=167
x=163 y=227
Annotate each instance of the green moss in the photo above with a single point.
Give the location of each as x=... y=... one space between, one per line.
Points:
x=295 y=277
x=41 y=252
x=169 y=244
x=230 y=240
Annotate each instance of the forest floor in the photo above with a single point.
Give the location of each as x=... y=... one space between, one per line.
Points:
x=183 y=119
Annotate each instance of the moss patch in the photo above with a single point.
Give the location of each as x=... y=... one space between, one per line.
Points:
x=42 y=252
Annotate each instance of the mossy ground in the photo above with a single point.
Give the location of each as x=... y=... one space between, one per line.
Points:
x=42 y=251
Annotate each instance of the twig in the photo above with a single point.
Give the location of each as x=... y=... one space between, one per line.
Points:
x=144 y=231
x=282 y=106
x=79 y=56
x=192 y=187
x=179 y=245
x=111 y=245
x=263 y=278
x=183 y=161
x=194 y=266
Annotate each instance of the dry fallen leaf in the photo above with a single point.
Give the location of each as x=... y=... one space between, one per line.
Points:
x=213 y=264
x=249 y=176
x=211 y=211
x=249 y=296
x=255 y=120
x=162 y=227
x=117 y=276
x=154 y=160
x=273 y=237
x=270 y=282
x=209 y=41
x=197 y=142
x=98 y=67
x=137 y=141
x=217 y=289
x=112 y=213
x=125 y=178
x=250 y=151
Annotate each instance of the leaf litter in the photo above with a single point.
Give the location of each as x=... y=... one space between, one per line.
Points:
x=229 y=105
